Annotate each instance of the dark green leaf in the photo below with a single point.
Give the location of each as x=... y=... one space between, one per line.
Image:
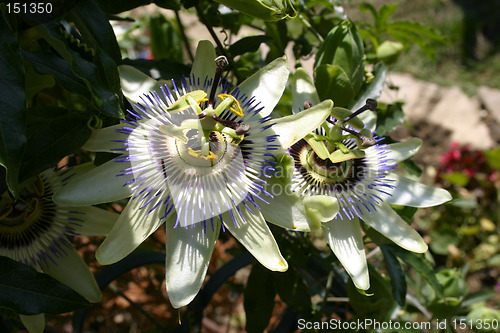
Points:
x=53 y=133
x=25 y=291
x=12 y=106
x=380 y=301
x=95 y=28
x=49 y=63
x=248 y=44
x=259 y=299
x=421 y=266
x=105 y=97
x=398 y=280
x=292 y=290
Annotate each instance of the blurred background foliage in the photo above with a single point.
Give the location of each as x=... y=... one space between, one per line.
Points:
x=63 y=81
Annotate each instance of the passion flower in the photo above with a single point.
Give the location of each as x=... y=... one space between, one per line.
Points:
x=340 y=175
x=196 y=157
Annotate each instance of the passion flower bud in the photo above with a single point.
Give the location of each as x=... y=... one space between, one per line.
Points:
x=267 y=10
x=338 y=70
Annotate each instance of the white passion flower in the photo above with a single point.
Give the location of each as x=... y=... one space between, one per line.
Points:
x=36 y=231
x=339 y=175
x=195 y=157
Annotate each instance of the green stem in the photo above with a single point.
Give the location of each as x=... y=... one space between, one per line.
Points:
x=183 y=35
x=203 y=20
x=308 y=25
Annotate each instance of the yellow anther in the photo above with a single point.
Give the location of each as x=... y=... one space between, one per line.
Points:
x=235 y=106
x=197 y=154
x=30 y=214
x=7 y=213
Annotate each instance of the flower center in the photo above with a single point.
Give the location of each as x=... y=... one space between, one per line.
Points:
x=322 y=176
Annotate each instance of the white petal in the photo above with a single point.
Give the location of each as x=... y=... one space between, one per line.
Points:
x=96 y=221
x=321 y=208
x=415 y=194
x=402 y=150
x=386 y=221
x=72 y=271
x=135 y=83
x=104 y=140
x=134 y=225
x=346 y=241
x=33 y=323
x=99 y=185
x=303 y=90
x=253 y=233
x=204 y=64
x=188 y=254
x=293 y=128
x=267 y=85
x=285 y=208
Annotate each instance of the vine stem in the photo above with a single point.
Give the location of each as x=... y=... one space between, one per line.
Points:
x=308 y=25
x=183 y=35
x=203 y=20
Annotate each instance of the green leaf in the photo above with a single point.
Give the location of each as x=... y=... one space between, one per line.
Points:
x=372 y=89
x=35 y=82
x=49 y=63
x=25 y=291
x=13 y=105
x=105 y=97
x=278 y=31
x=384 y=13
x=379 y=302
x=368 y=7
x=165 y=39
x=412 y=32
x=53 y=133
x=343 y=47
x=95 y=28
x=248 y=44
x=398 y=279
x=259 y=299
x=389 y=116
x=411 y=167
x=478 y=297
x=292 y=290
x=332 y=82
x=421 y=266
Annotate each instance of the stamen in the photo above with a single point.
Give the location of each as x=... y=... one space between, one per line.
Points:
x=367 y=142
x=371 y=104
x=221 y=62
x=307 y=105
x=225 y=122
